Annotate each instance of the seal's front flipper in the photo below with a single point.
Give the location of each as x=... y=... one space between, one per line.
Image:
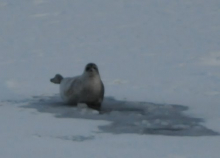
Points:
x=95 y=106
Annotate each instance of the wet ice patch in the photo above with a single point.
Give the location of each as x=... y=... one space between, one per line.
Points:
x=77 y=138
x=129 y=117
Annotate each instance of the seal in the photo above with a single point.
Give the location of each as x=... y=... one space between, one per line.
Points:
x=87 y=88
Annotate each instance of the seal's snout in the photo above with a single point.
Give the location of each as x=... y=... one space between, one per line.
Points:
x=91 y=69
x=51 y=80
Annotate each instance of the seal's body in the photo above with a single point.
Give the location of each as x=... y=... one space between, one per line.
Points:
x=86 y=88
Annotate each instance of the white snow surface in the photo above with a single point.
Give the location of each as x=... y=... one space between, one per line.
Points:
x=159 y=62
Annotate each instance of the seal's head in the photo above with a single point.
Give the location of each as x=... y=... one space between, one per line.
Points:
x=57 y=79
x=91 y=69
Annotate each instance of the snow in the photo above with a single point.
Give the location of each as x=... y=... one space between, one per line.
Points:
x=159 y=61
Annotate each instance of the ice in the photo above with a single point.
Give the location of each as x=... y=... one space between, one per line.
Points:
x=159 y=61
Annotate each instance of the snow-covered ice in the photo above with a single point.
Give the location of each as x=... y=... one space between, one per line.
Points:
x=159 y=61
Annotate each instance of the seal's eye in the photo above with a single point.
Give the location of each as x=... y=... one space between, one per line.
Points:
x=87 y=68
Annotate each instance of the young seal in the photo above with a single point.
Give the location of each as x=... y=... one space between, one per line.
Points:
x=86 y=88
